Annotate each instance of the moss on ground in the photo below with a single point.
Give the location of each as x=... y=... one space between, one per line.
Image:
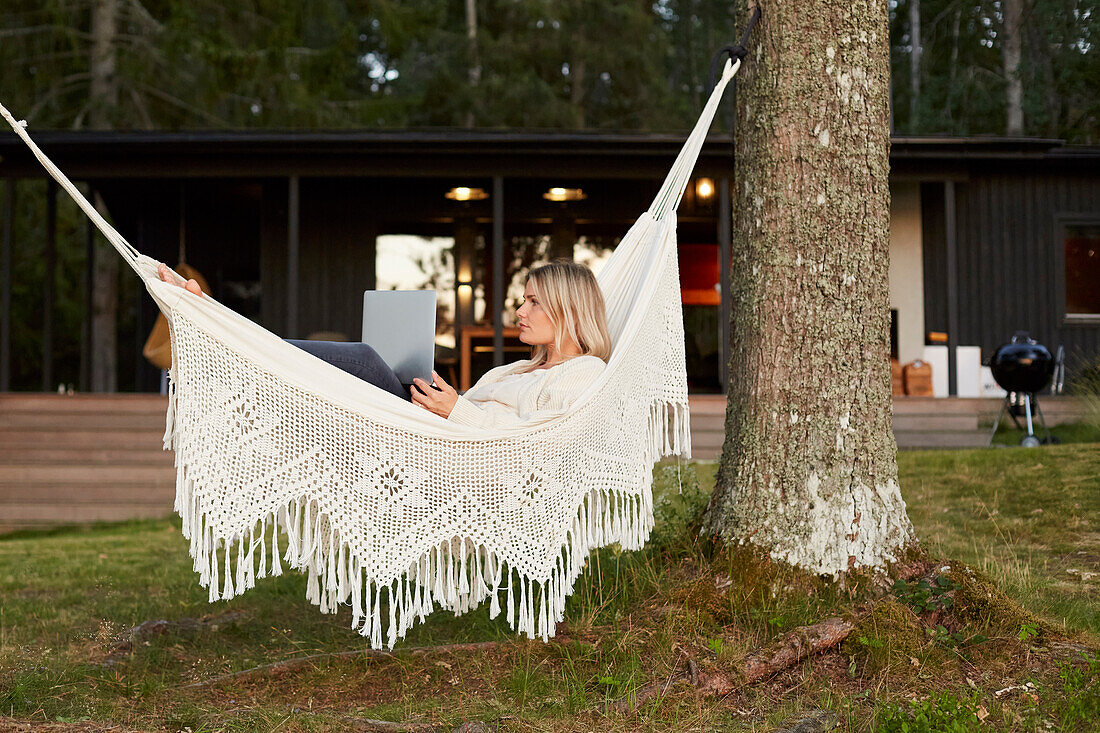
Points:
x=886 y=638
x=979 y=602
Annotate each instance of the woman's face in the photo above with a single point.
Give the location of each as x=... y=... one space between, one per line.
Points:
x=535 y=326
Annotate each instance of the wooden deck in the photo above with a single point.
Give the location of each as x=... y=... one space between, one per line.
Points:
x=87 y=458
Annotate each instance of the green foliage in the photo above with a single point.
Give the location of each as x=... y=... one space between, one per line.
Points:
x=942 y=713
x=677 y=507
x=613 y=64
x=962 y=82
x=921 y=595
x=347 y=63
x=952 y=639
x=1079 y=707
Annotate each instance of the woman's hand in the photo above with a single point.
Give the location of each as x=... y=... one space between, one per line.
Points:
x=440 y=401
x=165 y=274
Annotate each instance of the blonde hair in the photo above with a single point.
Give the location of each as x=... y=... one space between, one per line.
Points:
x=572 y=298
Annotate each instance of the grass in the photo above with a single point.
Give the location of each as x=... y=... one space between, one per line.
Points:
x=1008 y=435
x=1025 y=517
x=930 y=658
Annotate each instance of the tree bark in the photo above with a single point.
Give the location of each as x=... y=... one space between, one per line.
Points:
x=948 y=104
x=914 y=66
x=808 y=470
x=104 y=101
x=1014 y=86
x=576 y=91
x=474 y=72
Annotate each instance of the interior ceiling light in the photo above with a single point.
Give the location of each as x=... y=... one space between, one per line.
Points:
x=463 y=193
x=704 y=188
x=565 y=194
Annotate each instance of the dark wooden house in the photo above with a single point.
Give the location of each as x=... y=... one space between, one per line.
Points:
x=988 y=236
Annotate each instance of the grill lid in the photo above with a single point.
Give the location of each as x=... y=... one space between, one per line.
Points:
x=1023 y=365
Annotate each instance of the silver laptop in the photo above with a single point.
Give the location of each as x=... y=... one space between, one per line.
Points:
x=400 y=326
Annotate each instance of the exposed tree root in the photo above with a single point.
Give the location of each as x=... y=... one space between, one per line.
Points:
x=795 y=646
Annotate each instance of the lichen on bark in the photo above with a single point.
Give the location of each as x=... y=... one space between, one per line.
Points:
x=808 y=471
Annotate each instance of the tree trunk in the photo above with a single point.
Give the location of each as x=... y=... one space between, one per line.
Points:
x=808 y=470
x=576 y=91
x=914 y=66
x=1043 y=50
x=1014 y=86
x=948 y=104
x=104 y=101
x=474 y=72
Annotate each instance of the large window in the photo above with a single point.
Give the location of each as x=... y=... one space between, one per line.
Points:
x=410 y=262
x=1080 y=238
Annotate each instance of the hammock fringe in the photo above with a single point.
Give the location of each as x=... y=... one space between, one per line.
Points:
x=457 y=575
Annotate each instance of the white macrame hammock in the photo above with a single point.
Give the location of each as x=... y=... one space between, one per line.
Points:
x=388 y=507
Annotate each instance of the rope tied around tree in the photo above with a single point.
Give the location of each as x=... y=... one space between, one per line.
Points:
x=736 y=53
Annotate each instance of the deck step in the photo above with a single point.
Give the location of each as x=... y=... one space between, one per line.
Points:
x=146 y=439
x=84 y=403
x=90 y=456
x=81 y=474
x=46 y=492
x=81 y=421
x=36 y=514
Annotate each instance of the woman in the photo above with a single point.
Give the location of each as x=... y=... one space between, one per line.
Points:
x=562 y=318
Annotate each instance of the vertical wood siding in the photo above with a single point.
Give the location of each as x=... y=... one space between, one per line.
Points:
x=1008 y=257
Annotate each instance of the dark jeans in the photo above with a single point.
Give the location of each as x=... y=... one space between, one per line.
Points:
x=358 y=360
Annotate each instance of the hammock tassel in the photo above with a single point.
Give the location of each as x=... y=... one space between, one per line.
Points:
x=463 y=580
x=418 y=590
x=263 y=548
x=543 y=602
x=497 y=568
x=227 y=592
x=356 y=581
x=213 y=581
x=240 y=578
x=391 y=635
x=276 y=565
x=511 y=601
x=291 y=523
x=169 y=439
x=342 y=574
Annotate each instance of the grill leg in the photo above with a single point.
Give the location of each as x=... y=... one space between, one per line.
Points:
x=997 y=422
x=1029 y=440
x=1043 y=422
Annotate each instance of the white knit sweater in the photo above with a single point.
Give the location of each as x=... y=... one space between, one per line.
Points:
x=507 y=396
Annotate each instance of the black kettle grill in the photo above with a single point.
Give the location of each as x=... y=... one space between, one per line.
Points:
x=1022 y=368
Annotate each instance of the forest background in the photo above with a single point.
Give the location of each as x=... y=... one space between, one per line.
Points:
x=959 y=67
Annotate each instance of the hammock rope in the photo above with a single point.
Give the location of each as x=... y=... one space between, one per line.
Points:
x=391 y=509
